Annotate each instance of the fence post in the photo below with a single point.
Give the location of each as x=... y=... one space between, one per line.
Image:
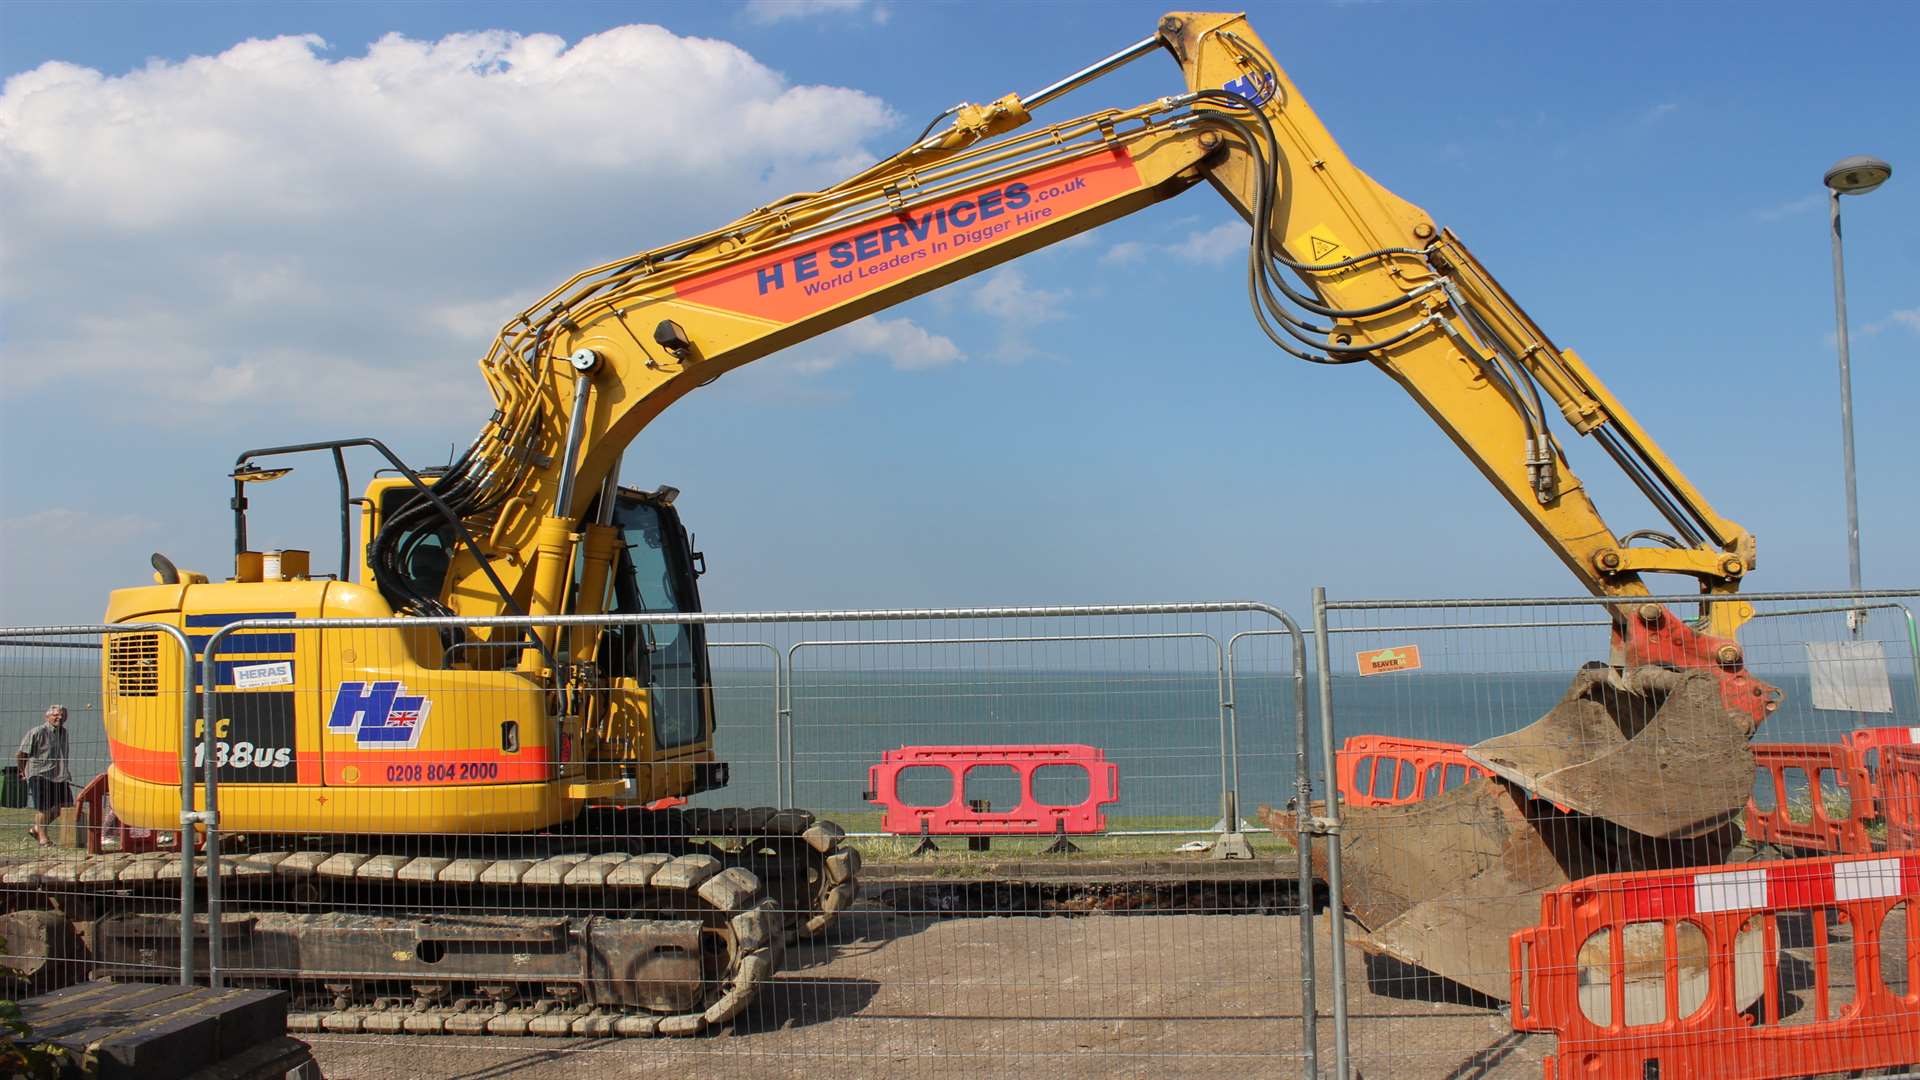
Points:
x=209 y=817
x=1336 y=904
x=187 y=701
x=779 y=789
x=1913 y=652
x=1233 y=842
x=791 y=796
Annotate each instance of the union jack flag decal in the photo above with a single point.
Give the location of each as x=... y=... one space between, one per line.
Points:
x=379 y=715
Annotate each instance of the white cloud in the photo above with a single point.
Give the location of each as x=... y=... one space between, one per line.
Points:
x=1659 y=112
x=766 y=12
x=1077 y=242
x=1217 y=246
x=274 y=223
x=1906 y=319
x=1007 y=295
x=1018 y=305
x=1214 y=246
x=903 y=343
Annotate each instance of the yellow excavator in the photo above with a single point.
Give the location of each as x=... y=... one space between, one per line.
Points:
x=390 y=787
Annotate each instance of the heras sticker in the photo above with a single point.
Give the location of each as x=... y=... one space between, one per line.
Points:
x=254 y=676
x=379 y=715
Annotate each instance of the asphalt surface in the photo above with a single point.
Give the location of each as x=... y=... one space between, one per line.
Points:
x=1060 y=998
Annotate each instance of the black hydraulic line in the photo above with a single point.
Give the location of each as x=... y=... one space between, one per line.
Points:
x=1258 y=281
x=931 y=124
x=1666 y=484
x=424 y=491
x=1664 y=539
x=1501 y=365
x=1625 y=459
x=1496 y=373
x=1514 y=378
x=1261 y=220
x=1242 y=103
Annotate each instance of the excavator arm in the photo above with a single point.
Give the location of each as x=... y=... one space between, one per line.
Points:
x=1340 y=271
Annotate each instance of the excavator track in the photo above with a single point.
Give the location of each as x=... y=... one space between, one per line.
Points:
x=592 y=936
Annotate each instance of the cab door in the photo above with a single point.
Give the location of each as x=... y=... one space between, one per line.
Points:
x=654 y=573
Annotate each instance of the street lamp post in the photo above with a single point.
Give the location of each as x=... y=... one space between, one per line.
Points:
x=1854 y=175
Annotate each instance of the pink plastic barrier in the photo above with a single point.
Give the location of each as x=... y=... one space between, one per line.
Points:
x=1028 y=817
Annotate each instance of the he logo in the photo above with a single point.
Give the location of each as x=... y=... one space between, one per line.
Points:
x=379 y=715
x=1257 y=90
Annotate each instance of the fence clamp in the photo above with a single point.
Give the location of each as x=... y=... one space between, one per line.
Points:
x=209 y=818
x=1319 y=826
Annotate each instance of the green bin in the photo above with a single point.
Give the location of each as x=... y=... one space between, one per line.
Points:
x=13 y=792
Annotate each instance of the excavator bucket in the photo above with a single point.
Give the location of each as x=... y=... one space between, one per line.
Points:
x=1637 y=770
x=1443 y=884
x=1648 y=748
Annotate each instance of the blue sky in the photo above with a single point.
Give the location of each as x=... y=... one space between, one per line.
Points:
x=211 y=247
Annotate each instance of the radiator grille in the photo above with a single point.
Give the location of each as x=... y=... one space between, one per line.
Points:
x=134 y=662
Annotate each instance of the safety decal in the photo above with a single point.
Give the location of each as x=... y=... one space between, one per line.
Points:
x=379 y=715
x=1319 y=246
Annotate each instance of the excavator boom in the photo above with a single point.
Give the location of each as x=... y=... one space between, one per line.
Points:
x=1377 y=282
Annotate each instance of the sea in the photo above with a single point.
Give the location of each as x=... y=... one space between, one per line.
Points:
x=1163 y=729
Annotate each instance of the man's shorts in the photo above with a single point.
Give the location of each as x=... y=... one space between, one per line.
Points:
x=45 y=794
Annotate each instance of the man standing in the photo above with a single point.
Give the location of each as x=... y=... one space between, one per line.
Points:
x=42 y=758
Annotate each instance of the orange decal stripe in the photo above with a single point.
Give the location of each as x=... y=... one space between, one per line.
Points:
x=813 y=275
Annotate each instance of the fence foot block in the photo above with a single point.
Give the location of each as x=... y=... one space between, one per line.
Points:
x=1232 y=846
x=927 y=846
x=1061 y=845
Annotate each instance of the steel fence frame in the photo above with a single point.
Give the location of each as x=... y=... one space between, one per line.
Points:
x=200 y=808
x=784 y=717
x=189 y=817
x=1229 y=726
x=1322 y=632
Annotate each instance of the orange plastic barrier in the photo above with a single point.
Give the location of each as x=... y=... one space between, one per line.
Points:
x=1814 y=826
x=1899 y=799
x=1775 y=969
x=1864 y=744
x=1380 y=770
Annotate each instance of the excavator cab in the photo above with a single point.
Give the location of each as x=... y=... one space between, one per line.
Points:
x=656 y=570
x=647 y=708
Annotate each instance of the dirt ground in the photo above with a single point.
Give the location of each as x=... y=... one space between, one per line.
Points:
x=906 y=995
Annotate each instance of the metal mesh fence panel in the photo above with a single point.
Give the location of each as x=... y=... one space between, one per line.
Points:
x=79 y=887
x=1482 y=772
x=708 y=826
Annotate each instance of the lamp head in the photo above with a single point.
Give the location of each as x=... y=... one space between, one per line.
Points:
x=1858 y=174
